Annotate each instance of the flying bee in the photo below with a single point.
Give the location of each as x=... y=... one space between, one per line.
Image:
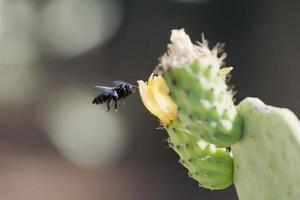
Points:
x=120 y=91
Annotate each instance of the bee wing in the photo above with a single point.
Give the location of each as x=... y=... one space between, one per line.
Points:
x=103 y=88
x=118 y=82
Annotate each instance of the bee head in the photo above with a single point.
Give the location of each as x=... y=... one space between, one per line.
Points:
x=131 y=88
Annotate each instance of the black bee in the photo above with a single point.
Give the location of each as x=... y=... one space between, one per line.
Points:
x=109 y=94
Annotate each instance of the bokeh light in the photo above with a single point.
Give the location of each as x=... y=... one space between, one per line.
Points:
x=18 y=85
x=19 y=17
x=71 y=27
x=84 y=133
x=19 y=77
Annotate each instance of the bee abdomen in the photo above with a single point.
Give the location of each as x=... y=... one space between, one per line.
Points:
x=98 y=100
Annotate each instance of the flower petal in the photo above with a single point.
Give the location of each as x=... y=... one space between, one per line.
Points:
x=156 y=99
x=223 y=72
x=150 y=103
x=160 y=92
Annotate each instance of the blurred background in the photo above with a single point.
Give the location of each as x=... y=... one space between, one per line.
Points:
x=54 y=144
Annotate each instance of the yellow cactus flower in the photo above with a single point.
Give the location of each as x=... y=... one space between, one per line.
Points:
x=223 y=72
x=156 y=98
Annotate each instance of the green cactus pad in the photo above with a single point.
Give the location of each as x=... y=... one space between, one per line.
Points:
x=211 y=167
x=204 y=103
x=267 y=158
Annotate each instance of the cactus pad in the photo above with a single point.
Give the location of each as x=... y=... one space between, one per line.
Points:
x=189 y=95
x=267 y=158
x=204 y=103
x=210 y=166
x=197 y=85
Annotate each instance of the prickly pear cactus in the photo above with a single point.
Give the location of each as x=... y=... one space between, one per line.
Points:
x=205 y=104
x=192 y=101
x=267 y=158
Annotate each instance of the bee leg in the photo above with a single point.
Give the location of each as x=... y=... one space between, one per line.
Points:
x=116 y=105
x=108 y=104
